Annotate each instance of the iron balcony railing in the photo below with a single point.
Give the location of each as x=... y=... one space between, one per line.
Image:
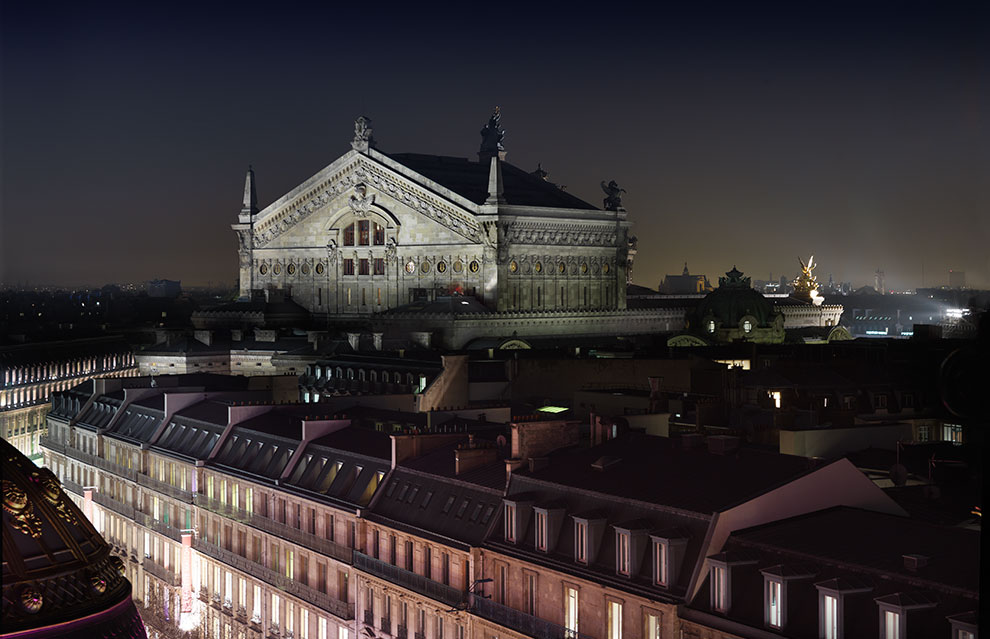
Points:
x=162 y=487
x=341 y=609
x=102 y=464
x=529 y=625
x=301 y=537
x=160 y=527
x=51 y=444
x=73 y=486
x=408 y=579
x=118 y=507
x=165 y=574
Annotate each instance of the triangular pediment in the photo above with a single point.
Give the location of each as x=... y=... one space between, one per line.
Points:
x=361 y=177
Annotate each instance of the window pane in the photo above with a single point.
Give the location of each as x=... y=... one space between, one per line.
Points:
x=349 y=235
x=363 y=232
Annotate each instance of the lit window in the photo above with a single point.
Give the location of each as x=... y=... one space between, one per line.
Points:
x=775 y=611
x=622 y=552
x=581 y=541
x=891 y=628
x=614 y=620
x=747 y=326
x=541 y=530
x=830 y=617
x=571 y=611
x=654 y=626
x=719 y=586
x=711 y=326
x=379 y=234
x=660 y=563
x=510 y=522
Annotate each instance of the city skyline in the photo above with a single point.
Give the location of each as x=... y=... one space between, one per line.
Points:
x=742 y=140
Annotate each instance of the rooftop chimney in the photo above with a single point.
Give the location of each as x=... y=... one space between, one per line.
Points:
x=914 y=562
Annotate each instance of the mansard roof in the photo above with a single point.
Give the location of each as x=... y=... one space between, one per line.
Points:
x=470 y=180
x=657 y=470
x=429 y=505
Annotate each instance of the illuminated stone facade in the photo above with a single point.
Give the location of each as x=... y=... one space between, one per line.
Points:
x=374 y=231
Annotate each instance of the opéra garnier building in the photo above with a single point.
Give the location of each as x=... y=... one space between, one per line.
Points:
x=375 y=231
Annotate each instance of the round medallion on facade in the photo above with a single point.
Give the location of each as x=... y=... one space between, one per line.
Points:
x=458 y=266
x=31 y=599
x=561 y=268
x=513 y=266
x=474 y=266
x=264 y=269
x=410 y=266
x=426 y=266
x=305 y=269
x=291 y=269
x=538 y=267
x=277 y=268
x=584 y=267
x=605 y=268
x=441 y=267
x=320 y=268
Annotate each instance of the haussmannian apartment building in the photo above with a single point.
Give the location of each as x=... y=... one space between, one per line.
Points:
x=241 y=518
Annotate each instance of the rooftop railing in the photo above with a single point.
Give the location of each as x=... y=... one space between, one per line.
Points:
x=408 y=579
x=301 y=537
x=340 y=609
x=527 y=624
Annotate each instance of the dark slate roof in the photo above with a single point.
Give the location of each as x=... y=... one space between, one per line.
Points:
x=347 y=465
x=875 y=542
x=698 y=481
x=448 y=304
x=429 y=506
x=256 y=453
x=194 y=431
x=100 y=412
x=470 y=180
x=856 y=551
x=441 y=462
x=139 y=423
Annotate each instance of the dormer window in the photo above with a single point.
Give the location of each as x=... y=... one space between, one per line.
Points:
x=510 y=522
x=660 y=563
x=831 y=603
x=893 y=610
x=720 y=588
x=581 y=541
x=622 y=552
x=541 y=530
x=775 y=603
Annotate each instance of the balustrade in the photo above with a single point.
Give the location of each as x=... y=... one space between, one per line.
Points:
x=336 y=607
x=529 y=625
x=408 y=579
x=165 y=574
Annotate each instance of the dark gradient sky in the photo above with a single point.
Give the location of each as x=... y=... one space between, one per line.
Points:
x=744 y=134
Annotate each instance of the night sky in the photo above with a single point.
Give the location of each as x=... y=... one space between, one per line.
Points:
x=745 y=134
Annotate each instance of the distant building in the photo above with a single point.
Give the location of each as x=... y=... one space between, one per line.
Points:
x=685 y=283
x=164 y=288
x=30 y=373
x=957 y=279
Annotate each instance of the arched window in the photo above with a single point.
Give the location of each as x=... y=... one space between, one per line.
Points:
x=340 y=373
x=350 y=373
x=361 y=376
x=385 y=376
x=409 y=379
x=374 y=376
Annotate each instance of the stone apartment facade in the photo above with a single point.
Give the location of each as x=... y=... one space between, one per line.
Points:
x=245 y=519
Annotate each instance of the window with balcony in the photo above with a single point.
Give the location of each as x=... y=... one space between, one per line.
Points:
x=363 y=266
